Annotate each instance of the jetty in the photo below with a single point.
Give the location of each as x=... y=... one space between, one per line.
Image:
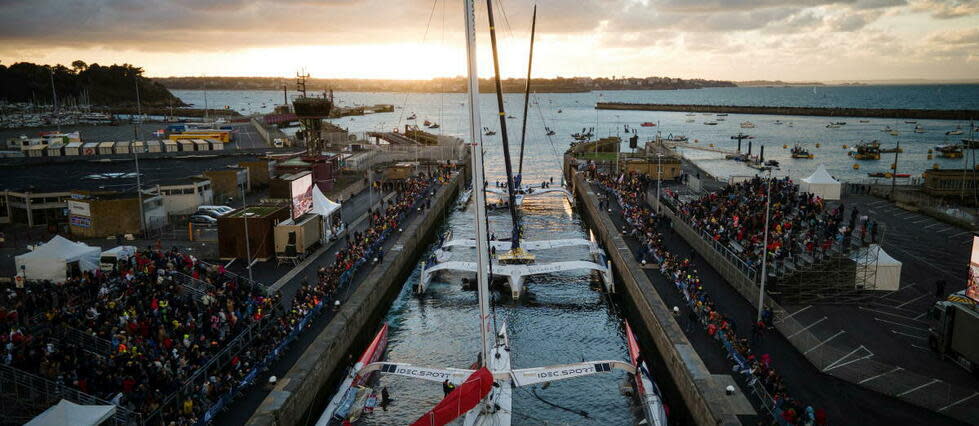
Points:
x=935 y=114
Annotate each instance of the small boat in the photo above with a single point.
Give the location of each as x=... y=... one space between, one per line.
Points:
x=648 y=124
x=488 y=132
x=676 y=138
x=354 y=397
x=412 y=116
x=710 y=123
x=549 y=132
x=864 y=121
x=840 y=123
x=464 y=197
x=427 y=123
x=722 y=115
x=690 y=120
x=510 y=117
x=919 y=129
x=747 y=125
x=434 y=126
x=779 y=122
x=646 y=391
x=690 y=114
x=741 y=136
x=866 y=151
x=889 y=175
x=953 y=132
x=558 y=111
x=949 y=151
x=893 y=133
x=833 y=126
x=800 y=152
x=720 y=119
x=910 y=122
x=891 y=150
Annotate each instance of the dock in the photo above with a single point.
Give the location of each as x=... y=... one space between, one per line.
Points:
x=935 y=114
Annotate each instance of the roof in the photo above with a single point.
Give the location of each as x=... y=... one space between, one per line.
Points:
x=259 y=211
x=820 y=176
x=116 y=175
x=68 y=413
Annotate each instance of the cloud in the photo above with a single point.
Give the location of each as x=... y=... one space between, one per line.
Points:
x=947 y=9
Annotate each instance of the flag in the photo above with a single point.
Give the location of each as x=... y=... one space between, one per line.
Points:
x=159 y=133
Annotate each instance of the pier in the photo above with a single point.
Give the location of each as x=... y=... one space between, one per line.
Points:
x=804 y=111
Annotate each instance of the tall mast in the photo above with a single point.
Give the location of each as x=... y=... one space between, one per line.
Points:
x=478 y=182
x=515 y=232
x=526 y=96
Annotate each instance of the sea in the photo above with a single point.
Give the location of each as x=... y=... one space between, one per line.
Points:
x=565 y=318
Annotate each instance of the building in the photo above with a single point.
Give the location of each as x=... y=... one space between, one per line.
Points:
x=36 y=194
x=228 y=183
x=260 y=232
x=259 y=171
x=183 y=196
x=324 y=167
x=951 y=183
x=93 y=214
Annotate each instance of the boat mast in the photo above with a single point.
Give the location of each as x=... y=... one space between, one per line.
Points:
x=478 y=182
x=526 y=97
x=515 y=232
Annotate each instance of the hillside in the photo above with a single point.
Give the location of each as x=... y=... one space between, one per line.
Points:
x=94 y=84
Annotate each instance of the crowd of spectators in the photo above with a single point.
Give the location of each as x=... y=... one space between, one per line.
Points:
x=164 y=315
x=644 y=224
x=799 y=222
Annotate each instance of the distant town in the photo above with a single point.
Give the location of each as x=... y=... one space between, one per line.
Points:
x=449 y=85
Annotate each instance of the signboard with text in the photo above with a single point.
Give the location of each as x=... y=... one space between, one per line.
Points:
x=80 y=221
x=79 y=208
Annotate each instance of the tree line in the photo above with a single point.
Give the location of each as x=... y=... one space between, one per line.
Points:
x=96 y=85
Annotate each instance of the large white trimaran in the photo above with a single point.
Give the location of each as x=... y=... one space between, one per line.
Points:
x=484 y=395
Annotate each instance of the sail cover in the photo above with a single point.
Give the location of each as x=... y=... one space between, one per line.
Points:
x=461 y=400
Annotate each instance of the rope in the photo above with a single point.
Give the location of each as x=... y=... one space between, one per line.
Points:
x=581 y=413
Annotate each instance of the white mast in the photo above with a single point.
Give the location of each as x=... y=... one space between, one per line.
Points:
x=476 y=151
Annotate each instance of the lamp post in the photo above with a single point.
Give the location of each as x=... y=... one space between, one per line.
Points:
x=248 y=247
x=659 y=179
x=764 y=248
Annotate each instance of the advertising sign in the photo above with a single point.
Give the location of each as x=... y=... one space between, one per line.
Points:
x=302 y=195
x=80 y=221
x=972 y=288
x=79 y=208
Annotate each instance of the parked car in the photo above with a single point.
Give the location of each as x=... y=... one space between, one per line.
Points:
x=203 y=219
x=220 y=210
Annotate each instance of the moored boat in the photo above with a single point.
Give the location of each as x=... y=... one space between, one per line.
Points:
x=648 y=394
x=949 y=151
x=799 y=151
x=355 y=397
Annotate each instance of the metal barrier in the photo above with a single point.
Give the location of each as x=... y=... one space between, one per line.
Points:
x=42 y=393
x=84 y=340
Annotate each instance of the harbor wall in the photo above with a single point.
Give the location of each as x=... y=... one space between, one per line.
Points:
x=703 y=396
x=305 y=386
x=804 y=111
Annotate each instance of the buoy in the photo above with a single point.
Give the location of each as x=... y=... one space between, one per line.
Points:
x=930 y=151
x=786 y=146
x=935 y=166
x=711 y=145
x=893 y=166
x=929 y=156
x=696 y=141
x=817 y=145
x=856 y=167
x=845 y=147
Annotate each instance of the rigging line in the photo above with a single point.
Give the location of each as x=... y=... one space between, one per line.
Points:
x=526 y=98
x=550 y=138
x=431 y=14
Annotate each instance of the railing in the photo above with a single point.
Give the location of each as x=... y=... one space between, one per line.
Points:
x=83 y=340
x=46 y=392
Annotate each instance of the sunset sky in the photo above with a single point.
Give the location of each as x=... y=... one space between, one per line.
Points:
x=792 y=40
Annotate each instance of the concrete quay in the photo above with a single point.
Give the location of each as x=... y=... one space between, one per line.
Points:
x=299 y=394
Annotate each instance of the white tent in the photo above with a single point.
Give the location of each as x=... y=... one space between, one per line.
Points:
x=325 y=207
x=821 y=183
x=67 y=413
x=51 y=260
x=882 y=271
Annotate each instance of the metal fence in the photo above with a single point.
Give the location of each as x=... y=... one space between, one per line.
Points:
x=84 y=340
x=23 y=395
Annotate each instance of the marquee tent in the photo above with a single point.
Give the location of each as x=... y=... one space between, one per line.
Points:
x=327 y=208
x=821 y=183
x=883 y=273
x=54 y=259
x=66 y=413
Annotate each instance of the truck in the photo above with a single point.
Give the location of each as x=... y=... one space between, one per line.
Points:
x=294 y=238
x=116 y=257
x=956 y=335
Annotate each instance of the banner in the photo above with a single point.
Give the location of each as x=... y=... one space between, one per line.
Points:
x=302 y=195
x=972 y=288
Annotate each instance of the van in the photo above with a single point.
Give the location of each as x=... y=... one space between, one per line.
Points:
x=219 y=210
x=278 y=143
x=116 y=258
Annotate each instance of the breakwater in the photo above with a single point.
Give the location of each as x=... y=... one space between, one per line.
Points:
x=936 y=114
x=702 y=395
x=305 y=387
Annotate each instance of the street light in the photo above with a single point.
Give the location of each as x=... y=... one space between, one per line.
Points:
x=764 y=248
x=659 y=179
x=248 y=248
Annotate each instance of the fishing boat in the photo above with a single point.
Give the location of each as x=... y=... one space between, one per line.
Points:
x=949 y=151
x=747 y=125
x=648 y=124
x=355 y=397
x=889 y=175
x=799 y=151
x=646 y=392
x=866 y=151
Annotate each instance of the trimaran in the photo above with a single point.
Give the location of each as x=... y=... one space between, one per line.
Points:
x=482 y=395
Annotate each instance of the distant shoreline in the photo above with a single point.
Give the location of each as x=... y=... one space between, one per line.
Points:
x=934 y=114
